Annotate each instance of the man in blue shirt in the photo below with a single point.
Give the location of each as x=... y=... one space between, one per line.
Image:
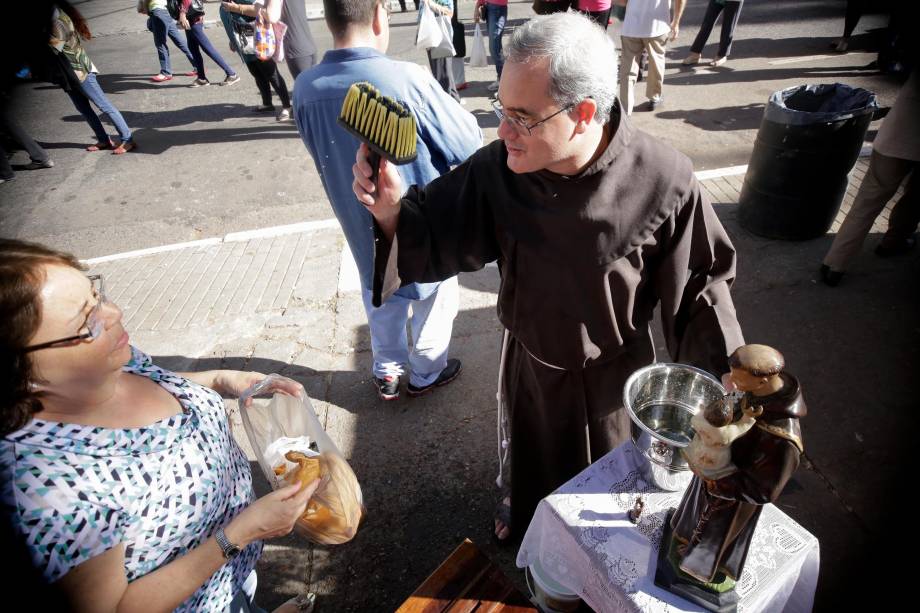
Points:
x=447 y=135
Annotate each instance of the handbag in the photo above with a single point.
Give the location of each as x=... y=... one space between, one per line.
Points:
x=478 y=57
x=195 y=10
x=445 y=48
x=429 y=33
x=264 y=38
x=280 y=29
x=548 y=7
x=244 y=37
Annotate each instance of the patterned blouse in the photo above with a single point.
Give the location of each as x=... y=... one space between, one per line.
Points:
x=74 y=492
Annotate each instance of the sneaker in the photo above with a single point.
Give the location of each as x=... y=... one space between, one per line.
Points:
x=33 y=165
x=493 y=86
x=231 y=79
x=283 y=115
x=160 y=78
x=830 y=277
x=655 y=103
x=200 y=83
x=388 y=387
x=450 y=372
x=718 y=61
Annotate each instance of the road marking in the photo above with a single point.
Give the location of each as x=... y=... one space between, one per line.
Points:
x=294 y=228
x=808 y=58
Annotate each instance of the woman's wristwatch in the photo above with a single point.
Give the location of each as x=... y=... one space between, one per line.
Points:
x=229 y=549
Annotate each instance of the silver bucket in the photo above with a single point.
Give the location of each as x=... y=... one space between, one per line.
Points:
x=661 y=400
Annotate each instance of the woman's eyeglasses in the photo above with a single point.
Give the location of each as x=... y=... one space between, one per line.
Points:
x=93 y=326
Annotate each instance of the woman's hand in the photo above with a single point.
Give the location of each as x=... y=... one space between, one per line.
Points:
x=183 y=22
x=233 y=383
x=271 y=515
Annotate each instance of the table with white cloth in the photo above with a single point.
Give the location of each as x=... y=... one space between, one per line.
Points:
x=582 y=537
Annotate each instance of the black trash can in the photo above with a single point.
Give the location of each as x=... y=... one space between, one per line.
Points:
x=808 y=141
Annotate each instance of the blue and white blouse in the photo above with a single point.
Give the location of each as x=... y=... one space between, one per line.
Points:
x=74 y=492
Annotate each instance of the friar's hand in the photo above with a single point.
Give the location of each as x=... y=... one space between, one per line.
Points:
x=380 y=198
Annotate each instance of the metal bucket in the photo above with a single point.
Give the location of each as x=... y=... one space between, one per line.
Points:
x=661 y=400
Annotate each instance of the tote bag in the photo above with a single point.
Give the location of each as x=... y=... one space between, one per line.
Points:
x=429 y=33
x=478 y=57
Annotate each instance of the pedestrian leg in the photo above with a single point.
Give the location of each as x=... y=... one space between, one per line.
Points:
x=15 y=131
x=81 y=103
x=172 y=30
x=6 y=171
x=208 y=48
x=496 y=16
x=432 y=324
x=389 y=341
x=629 y=70
x=878 y=186
x=902 y=223
x=655 y=81
x=278 y=83
x=262 y=83
x=729 y=22
x=94 y=92
x=297 y=65
x=709 y=20
x=442 y=73
x=195 y=49
x=159 y=41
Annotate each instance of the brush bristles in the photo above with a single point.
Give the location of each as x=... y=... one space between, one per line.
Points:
x=383 y=123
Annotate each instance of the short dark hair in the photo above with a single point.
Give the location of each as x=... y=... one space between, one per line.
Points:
x=719 y=412
x=21 y=280
x=341 y=14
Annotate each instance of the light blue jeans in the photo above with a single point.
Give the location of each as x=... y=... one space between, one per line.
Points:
x=93 y=92
x=496 y=16
x=431 y=323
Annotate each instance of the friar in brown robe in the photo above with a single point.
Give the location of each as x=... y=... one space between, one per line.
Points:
x=715 y=521
x=585 y=257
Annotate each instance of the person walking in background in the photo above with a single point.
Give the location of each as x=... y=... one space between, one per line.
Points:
x=447 y=135
x=597 y=10
x=730 y=17
x=855 y=9
x=495 y=14
x=65 y=41
x=895 y=160
x=39 y=158
x=441 y=66
x=163 y=26
x=265 y=72
x=299 y=46
x=648 y=26
x=198 y=41
x=457 y=63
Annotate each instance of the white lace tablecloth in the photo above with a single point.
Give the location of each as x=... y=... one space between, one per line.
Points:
x=583 y=538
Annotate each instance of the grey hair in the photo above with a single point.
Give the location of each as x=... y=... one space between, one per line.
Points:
x=582 y=58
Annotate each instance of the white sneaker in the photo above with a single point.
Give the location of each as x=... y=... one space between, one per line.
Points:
x=493 y=86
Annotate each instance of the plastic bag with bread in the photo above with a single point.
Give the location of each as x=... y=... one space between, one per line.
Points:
x=283 y=432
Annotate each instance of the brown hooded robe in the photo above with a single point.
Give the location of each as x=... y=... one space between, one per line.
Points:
x=584 y=261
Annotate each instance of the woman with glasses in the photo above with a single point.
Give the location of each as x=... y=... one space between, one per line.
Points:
x=122 y=478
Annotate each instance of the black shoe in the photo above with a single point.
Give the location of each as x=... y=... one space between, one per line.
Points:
x=893 y=248
x=655 y=103
x=450 y=372
x=830 y=277
x=388 y=387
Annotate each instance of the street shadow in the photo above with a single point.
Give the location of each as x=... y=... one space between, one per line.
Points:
x=742 y=117
x=769 y=48
x=154 y=142
x=485 y=119
x=217 y=112
x=728 y=74
x=118 y=83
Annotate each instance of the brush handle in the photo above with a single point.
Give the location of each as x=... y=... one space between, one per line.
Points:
x=373 y=158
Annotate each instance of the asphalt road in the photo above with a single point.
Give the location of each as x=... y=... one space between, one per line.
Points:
x=207 y=165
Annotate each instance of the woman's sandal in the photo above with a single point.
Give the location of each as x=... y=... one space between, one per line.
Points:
x=503 y=514
x=124 y=147
x=101 y=146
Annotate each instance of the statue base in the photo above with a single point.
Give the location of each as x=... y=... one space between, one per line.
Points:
x=668 y=576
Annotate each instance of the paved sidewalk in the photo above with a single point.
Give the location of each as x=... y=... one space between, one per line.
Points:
x=290 y=303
